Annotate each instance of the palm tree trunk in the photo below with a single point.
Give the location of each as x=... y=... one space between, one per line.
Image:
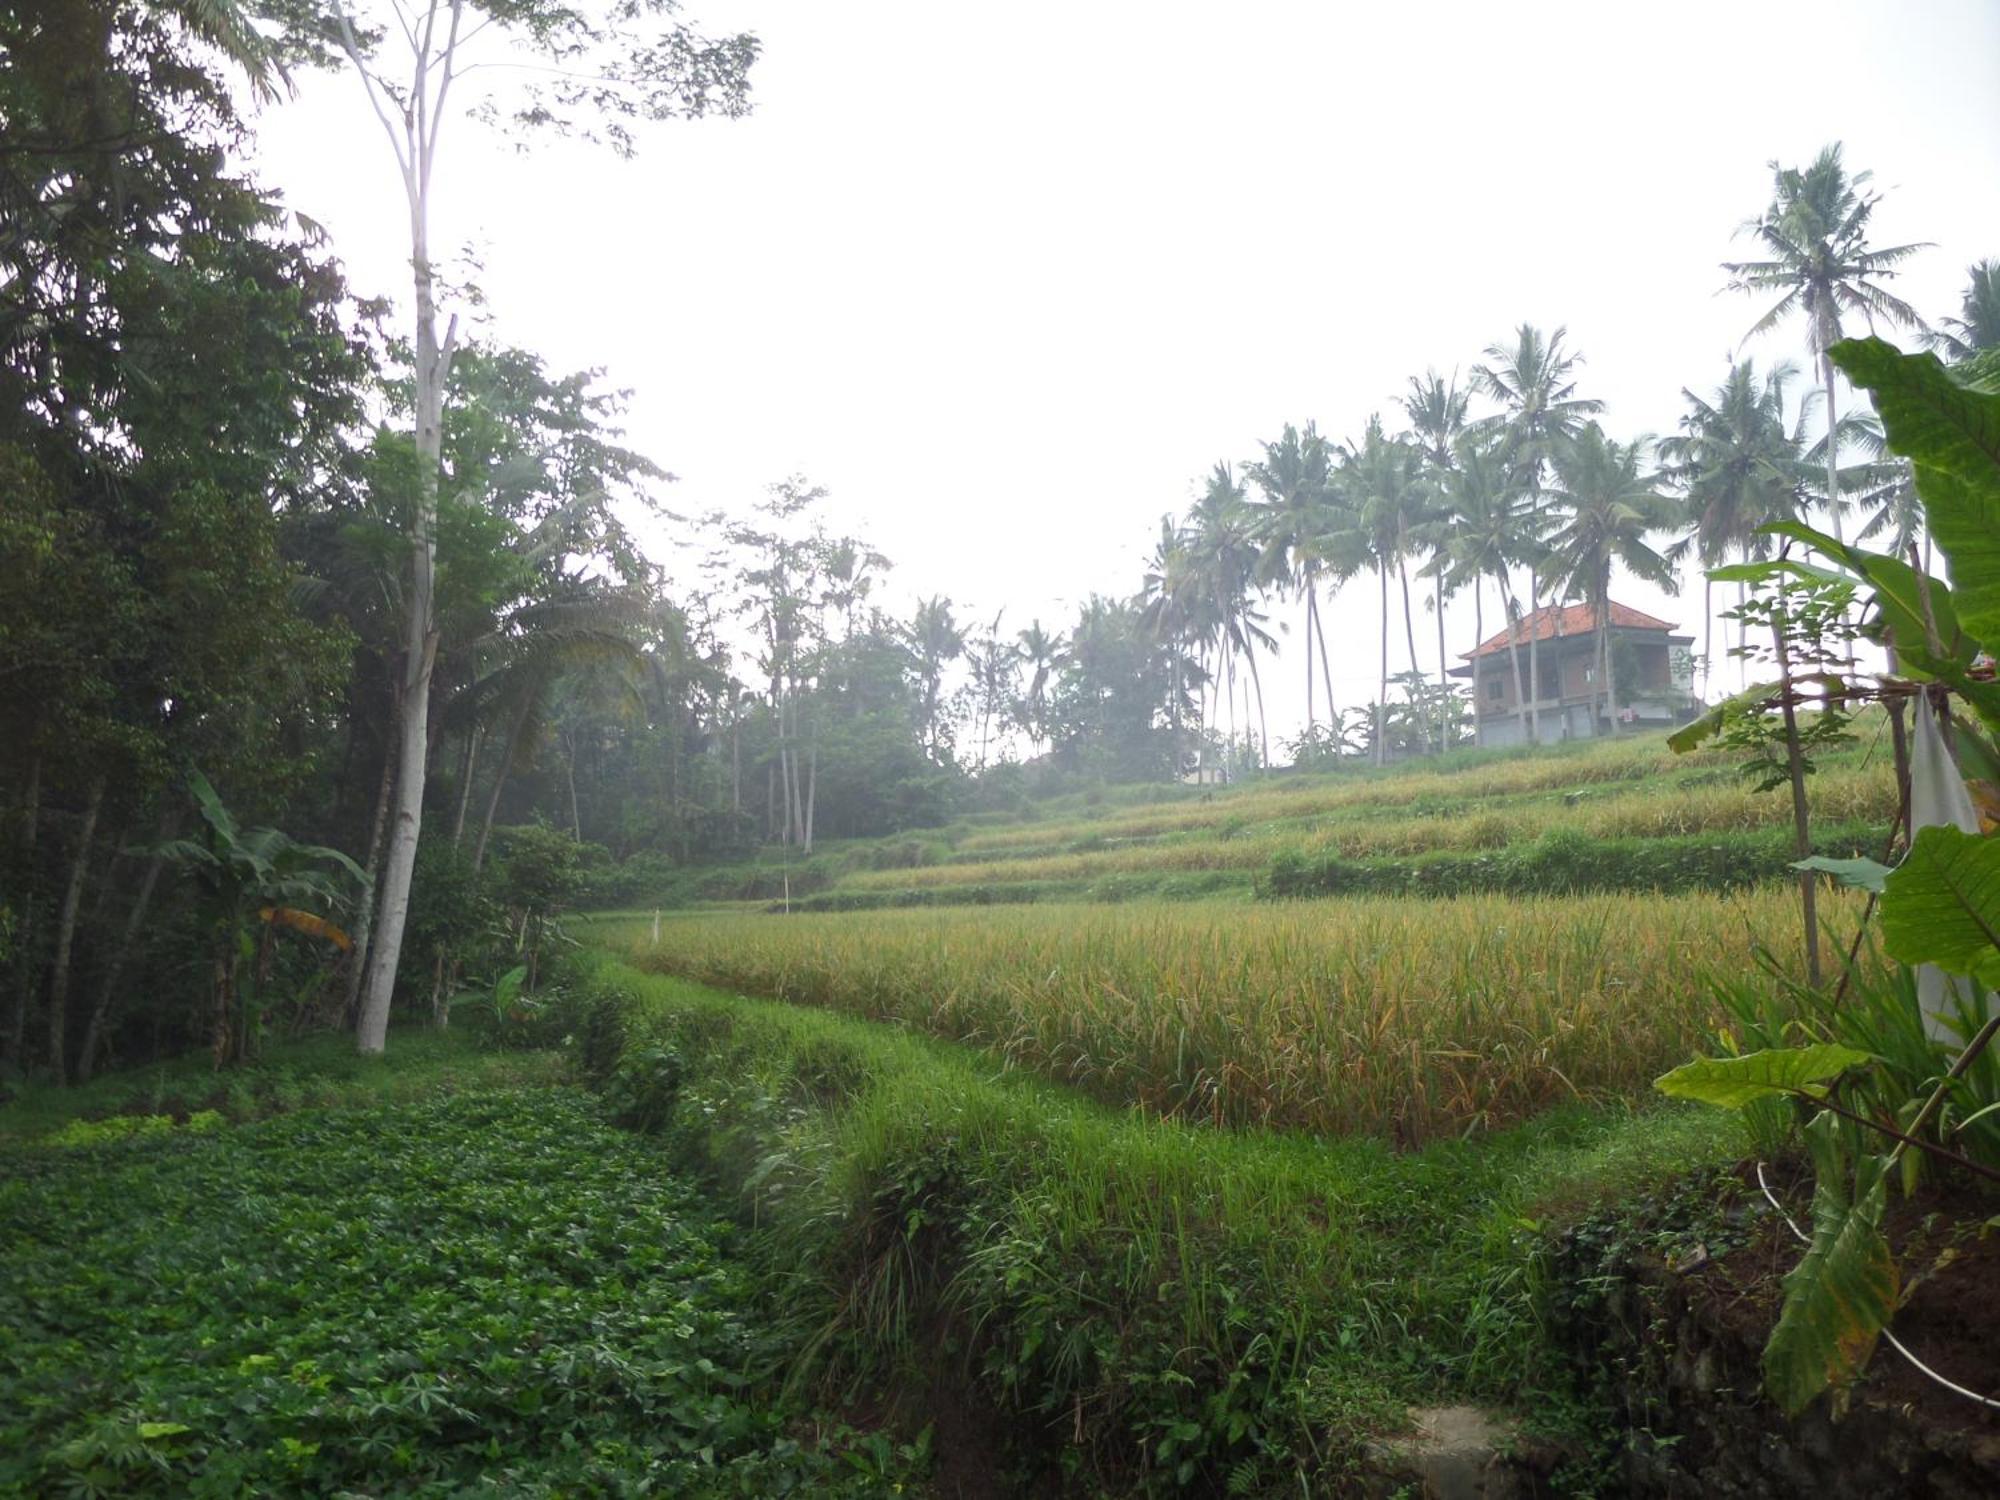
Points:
x=1534 y=665
x=1444 y=685
x=1707 y=628
x=1801 y=824
x=1604 y=653
x=1832 y=447
x=59 y=974
x=1742 y=636
x=1514 y=656
x=1409 y=620
x=1556 y=635
x=1382 y=686
x=1325 y=669
x=1263 y=729
x=1309 y=660
x=1479 y=637
x=1229 y=673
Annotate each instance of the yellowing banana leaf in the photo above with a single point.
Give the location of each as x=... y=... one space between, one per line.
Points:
x=308 y=923
x=1840 y=1297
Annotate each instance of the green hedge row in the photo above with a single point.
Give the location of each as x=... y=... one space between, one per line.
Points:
x=1565 y=862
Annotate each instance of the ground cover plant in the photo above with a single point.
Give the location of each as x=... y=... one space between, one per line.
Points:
x=482 y=1289
x=1399 y=1017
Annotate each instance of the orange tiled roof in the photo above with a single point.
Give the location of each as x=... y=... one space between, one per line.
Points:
x=1572 y=619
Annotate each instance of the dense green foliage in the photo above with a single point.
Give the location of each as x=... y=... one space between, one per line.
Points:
x=488 y=1289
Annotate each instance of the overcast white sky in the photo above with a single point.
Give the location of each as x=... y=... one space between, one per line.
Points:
x=1009 y=279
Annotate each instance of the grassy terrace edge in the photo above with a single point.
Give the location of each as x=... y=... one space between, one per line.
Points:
x=1144 y=1302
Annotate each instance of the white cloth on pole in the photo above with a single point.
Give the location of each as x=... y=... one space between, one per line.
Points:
x=1938 y=799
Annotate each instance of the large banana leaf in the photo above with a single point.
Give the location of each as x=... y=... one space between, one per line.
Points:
x=1942 y=904
x=1950 y=432
x=1839 y=1298
x=1732 y=1082
x=1693 y=734
x=1909 y=604
x=310 y=923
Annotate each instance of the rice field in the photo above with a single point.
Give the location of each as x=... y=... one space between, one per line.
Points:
x=1408 y=1019
x=1117 y=846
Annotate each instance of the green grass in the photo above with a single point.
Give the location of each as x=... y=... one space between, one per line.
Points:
x=1149 y=1303
x=489 y=1290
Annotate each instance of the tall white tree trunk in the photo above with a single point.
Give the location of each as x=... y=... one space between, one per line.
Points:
x=420 y=643
x=413 y=135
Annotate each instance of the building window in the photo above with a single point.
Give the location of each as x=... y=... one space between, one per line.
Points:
x=1495 y=689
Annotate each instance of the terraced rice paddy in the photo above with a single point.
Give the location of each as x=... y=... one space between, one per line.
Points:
x=1407 y=1018
x=1402 y=1016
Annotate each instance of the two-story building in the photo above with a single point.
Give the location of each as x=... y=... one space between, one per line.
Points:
x=1654 y=675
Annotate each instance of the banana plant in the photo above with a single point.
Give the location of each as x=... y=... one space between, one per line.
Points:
x=1939 y=906
x=254 y=882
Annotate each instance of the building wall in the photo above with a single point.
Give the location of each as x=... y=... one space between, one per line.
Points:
x=1572 y=663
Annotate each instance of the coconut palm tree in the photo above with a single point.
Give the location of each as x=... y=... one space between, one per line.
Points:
x=1534 y=381
x=1437 y=412
x=1738 y=467
x=1977 y=326
x=1168 y=610
x=936 y=640
x=1387 y=496
x=1292 y=524
x=1608 y=510
x=1222 y=538
x=1486 y=535
x=1042 y=655
x=1815 y=237
x=995 y=668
